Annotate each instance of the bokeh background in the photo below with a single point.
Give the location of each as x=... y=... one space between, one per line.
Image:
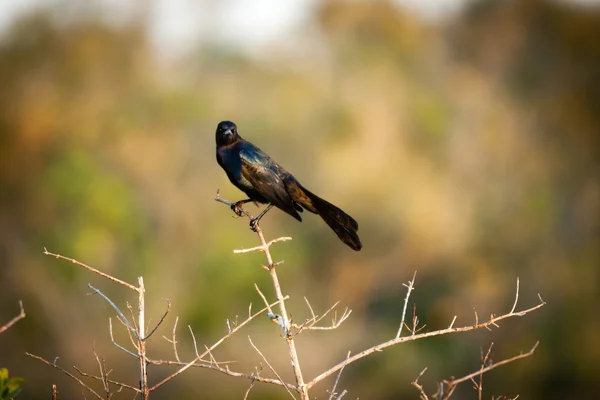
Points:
x=463 y=136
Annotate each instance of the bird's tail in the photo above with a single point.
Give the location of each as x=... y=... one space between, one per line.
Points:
x=342 y=224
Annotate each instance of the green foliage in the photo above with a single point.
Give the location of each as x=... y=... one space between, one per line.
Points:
x=9 y=387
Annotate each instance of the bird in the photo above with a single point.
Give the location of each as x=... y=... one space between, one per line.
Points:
x=266 y=182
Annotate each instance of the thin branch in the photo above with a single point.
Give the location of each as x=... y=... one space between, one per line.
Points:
x=174 y=341
x=484 y=363
x=249 y=389
x=419 y=387
x=119 y=313
x=15 y=319
x=491 y=322
x=263 y=247
x=102 y=367
x=141 y=335
x=64 y=371
x=104 y=378
x=285 y=322
x=159 y=321
x=310 y=324
x=410 y=288
x=495 y=365
x=225 y=370
x=109 y=277
x=112 y=338
x=516 y=297
x=332 y=393
x=270 y=367
x=192 y=363
x=270 y=311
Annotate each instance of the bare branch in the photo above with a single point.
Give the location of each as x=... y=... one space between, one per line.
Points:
x=15 y=319
x=225 y=370
x=410 y=288
x=104 y=378
x=491 y=322
x=264 y=299
x=263 y=247
x=310 y=324
x=174 y=341
x=416 y=384
x=109 y=277
x=332 y=393
x=119 y=313
x=193 y=363
x=285 y=322
x=112 y=338
x=249 y=389
x=270 y=367
x=495 y=365
x=102 y=367
x=64 y=371
x=516 y=297
x=159 y=321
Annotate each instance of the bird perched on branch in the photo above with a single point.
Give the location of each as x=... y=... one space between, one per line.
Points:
x=264 y=181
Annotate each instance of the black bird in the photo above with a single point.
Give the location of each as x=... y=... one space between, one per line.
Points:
x=264 y=181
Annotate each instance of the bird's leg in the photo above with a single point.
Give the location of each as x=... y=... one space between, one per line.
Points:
x=236 y=207
x=254 y=221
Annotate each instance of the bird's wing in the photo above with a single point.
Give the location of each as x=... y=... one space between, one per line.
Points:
x=261 y=171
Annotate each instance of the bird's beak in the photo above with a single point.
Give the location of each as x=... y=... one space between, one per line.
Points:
x=228 y=132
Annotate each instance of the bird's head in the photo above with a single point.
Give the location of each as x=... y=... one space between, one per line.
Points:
x=226 y=133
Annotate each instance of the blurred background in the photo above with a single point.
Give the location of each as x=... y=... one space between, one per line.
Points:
x=462 y=135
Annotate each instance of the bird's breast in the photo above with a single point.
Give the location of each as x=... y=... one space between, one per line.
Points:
x=232 y=164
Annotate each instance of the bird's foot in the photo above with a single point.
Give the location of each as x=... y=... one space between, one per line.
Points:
x=254 y=224
x=237 y=208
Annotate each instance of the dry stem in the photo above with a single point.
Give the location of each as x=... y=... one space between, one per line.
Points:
x=15 y=319
x=491 y=322
x=286 y=326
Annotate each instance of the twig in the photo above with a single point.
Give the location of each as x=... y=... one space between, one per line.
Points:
x=102 y=368
x=104 y=378
x=419 y=387
x=491 y=322
x=160 y=321
x=141 y=335
x=175 y=339
x=64 y=371
x=310 y=324
x=15 y=319
x=263 y=247
x=112 y=338
x=225 y=370
x=410 y=288
x=252 y=382
x=270 y=311
x=332 y=393
x=109 y=277
x=484 y=363
x=516 y=297
x=270 y=367
x=495 y=365
x=285 y=322
x=124 y=320
x=193 y=363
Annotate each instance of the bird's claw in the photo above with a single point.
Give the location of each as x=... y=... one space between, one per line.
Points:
x=254 y=224
x=237 y=208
